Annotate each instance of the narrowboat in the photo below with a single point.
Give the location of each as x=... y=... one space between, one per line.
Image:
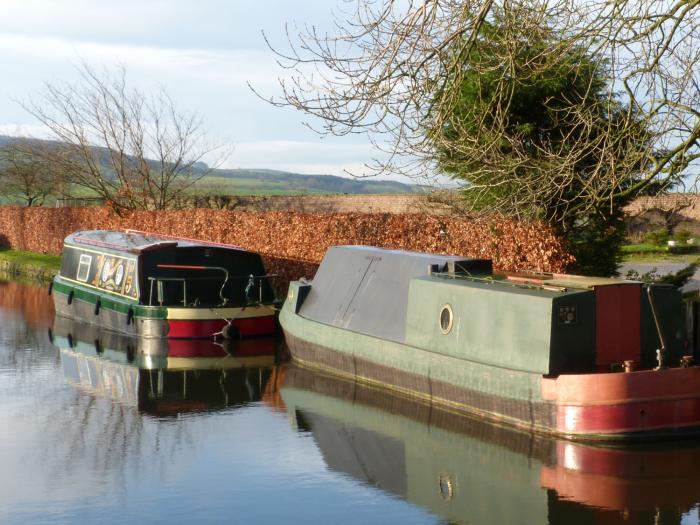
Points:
x=156 y=286
x=463 y=469
x=579 y=357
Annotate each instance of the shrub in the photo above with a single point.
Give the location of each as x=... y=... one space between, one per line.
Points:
x=683 y=236
x=658 y=237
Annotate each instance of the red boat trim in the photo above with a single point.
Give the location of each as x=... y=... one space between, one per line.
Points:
x=615 y=388
x=251 y=326
x=183 y=267
x=194 y=329
x=627 y=418
x=619 y=403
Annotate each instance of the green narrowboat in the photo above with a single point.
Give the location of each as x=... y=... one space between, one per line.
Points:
x=580 y=357
x=155 y=286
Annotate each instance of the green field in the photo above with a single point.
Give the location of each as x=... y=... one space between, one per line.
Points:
x=270 y=182
x=266 y=183
x=50 y=262
x=246 y=181
x=212 y=185
x=29 y=266
x=646 y=252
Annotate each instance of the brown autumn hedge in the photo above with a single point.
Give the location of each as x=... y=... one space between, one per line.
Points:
x=294 y=243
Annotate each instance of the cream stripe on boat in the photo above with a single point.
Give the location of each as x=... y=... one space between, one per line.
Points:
x=200 y=314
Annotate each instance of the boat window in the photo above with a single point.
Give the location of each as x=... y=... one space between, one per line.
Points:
x=446 y=319
x=84 y=267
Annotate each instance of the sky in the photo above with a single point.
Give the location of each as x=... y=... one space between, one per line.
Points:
x=202 y=52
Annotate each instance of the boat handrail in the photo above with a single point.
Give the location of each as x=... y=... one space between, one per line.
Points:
x=491 y=280
x=224 y=300
x=157 y=280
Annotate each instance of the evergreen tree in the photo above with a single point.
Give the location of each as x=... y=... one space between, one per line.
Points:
x=532 y=134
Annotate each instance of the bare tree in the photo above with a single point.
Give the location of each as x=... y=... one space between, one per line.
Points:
x=26 y=174
x=395 y=70
x=136 y=151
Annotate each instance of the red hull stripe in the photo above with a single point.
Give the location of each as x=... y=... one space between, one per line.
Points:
x=631 y=417
x=207 y=328
x=250 y=326
x=192 y=329
x=617 y=403
x=616 y=388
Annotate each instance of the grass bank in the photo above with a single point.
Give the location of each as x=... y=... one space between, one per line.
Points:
x=29 y=265
x=649 y=253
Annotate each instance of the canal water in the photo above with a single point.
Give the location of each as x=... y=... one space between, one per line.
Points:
x=96 y=428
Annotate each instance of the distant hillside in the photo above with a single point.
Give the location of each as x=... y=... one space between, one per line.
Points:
x=248 y=181
x=274 y=182
x=4 y=140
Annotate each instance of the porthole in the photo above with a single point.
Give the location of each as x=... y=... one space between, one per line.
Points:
x=446 y=319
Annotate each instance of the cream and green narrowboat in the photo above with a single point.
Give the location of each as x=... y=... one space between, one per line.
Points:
x=156 y=286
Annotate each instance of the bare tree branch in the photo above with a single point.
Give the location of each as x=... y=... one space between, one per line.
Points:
x=393 y=70
x=136 y=151
x=25 y=173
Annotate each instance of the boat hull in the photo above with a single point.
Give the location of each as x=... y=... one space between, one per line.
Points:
x=589 y=407
x=128 y=317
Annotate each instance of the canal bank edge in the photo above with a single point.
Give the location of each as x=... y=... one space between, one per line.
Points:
x=36 y=267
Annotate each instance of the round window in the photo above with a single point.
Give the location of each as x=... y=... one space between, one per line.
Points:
x=446 y=319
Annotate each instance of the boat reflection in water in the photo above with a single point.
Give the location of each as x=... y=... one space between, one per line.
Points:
x=465 y=470
x=165 y=377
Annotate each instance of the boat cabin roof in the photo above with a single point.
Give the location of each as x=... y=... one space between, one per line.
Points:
x=136 y=242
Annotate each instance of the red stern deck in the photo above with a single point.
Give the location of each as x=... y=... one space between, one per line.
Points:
x=612 y=404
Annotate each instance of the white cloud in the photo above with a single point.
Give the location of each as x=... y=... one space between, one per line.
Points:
x=204 y=54
x=230 y=66
x=319 y=150
x=160 y=23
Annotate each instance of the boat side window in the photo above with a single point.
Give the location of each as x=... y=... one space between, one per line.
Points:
x=446 y=318
x=84 y=267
